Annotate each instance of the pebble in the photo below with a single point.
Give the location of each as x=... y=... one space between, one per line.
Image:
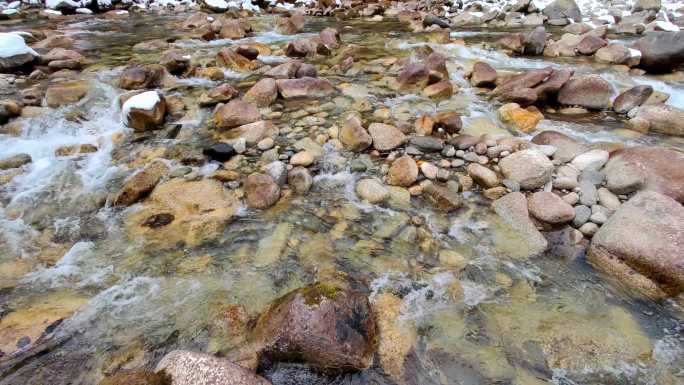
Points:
x=471 y=157
x=457 y=163
x=266 y=144
x=587 y=193
x=449 y=151
x=511 y=185
x=302 y=158
x=608 y=199
x=571 y=198
x=589 y=229
x=582 y=214
x=429 y=170
x=240 y=145
x=460 y=153
x=592 y=176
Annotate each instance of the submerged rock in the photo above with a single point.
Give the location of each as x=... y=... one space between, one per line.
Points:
x=14 y=161
x=372 y=191
x=353 y=136
x=182 y=212
x=136 y=378
x=141 y=184
x=191 y=368
x=328 y=327
x=641 y=244
x=261 y=191
x=512 y=208
x=61 y=94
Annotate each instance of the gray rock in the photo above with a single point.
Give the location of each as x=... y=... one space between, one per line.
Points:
x=588 y=193
x=427 y=143
x=582 y=214
x=278 y=171
x=588 y=91
x=190 y=368
x=563 y=9
x=372 y=191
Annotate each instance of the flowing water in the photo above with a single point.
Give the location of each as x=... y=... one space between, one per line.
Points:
x=87 y=298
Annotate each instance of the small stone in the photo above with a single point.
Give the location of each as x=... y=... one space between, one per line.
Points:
x=429 y=170
x=372 y=191
x=589 y=229
x=608 y=199
x=300 y=180
x=582 y=214
x=495 y=193
x=483 y=176
x=403 y=172
x=302 y=158
x=265 y=144
x=220 y=152
x=571 y=198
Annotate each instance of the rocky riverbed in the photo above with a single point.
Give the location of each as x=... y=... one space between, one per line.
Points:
x=427 y=192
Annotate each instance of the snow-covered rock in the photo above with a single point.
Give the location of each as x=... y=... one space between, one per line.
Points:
x=144 y=111
x=14 y=52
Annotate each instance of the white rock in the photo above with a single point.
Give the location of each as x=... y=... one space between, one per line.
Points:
x=429 y=170
x=592 y=159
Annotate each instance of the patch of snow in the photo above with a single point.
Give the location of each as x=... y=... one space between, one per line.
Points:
x=12 y=44
x=217 y=4
x=14 y=5
x=634 y=52
x=666 y=26
x=84 y=11
x=10 y=12
x=53 y=4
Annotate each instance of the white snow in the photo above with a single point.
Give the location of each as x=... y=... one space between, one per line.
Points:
x=634 y=52
x=666 y=26
x=53 y=4
x=217 y=4
x=84 y=11
x=144 y=101
x=14 y=5
x=12 y=44
x=10 y=12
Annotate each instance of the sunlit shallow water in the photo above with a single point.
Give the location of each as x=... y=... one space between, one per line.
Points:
x=474 y=307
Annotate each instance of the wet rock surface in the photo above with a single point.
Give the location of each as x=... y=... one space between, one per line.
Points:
x=341 y=192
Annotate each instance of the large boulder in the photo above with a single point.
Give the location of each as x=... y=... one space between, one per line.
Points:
x=530 y=168
x=662 y=118
x=190 y=368
x=182 y=212
x=236 y=113
x=304 y=87
x=614 y=54
x=646 y=168
x=328 y=327
x=144 y=111
x=563 y=9
x=641 y=245
x=14 y=52
x=661 y=51
x=589 y=91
